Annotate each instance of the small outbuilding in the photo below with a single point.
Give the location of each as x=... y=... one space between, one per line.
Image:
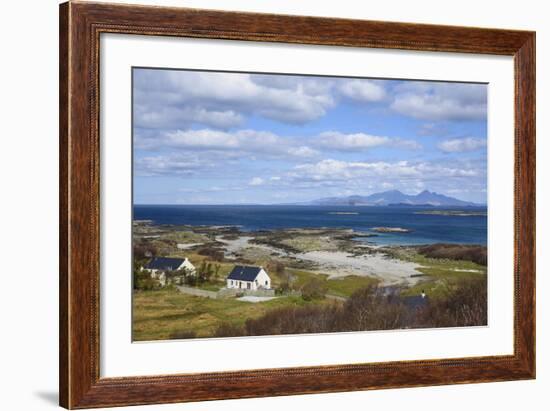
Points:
x=248 y=278
x=158 y=266
x=416 y=302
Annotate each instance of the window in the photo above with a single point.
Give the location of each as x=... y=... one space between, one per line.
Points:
x=248 y=285
x=265 y=282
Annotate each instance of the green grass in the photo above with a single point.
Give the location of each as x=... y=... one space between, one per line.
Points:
x=343 y=287
x=158 y=314
x=301 y=277
x=346 y=286
x=440 y=273
x=211 y=285
x=185 y=237
x=310 y=243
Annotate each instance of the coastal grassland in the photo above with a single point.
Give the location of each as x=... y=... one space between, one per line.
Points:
x=341 y=287
x=307 y=239
x=185 y=237
x=346 y=286
x=371 y=308
x=159 y=315
x=166 y=313
x=303 y=243
x=439 y=274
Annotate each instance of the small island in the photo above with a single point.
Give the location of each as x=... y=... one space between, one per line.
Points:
x=391 y=230
x=344 y=213
x=453 y=213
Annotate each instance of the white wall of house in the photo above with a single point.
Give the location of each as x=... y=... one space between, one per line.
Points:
x=157 y=275
x=262 y=280
x=161 y=276
x=244 y=285
x=188 y=266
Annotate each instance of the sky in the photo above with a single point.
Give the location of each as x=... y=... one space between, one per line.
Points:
x=243 y=138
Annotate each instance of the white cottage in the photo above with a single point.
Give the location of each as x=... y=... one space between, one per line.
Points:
x=248 y=278
x=159 y=265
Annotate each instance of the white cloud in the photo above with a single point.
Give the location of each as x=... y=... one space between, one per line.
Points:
x=330 y=169
x=249 y=140
x=335 y=139
x=292 y=100
x=303 y=151
x=441 y=101
x=460 y=145
x=231 y=144
x=361 y=141
x=256 y=181
x=181 y=117
x=237 y=142
x=170 y=165
x=362 y=90
x=432 y=130
x=220 y=146
x=336 y=170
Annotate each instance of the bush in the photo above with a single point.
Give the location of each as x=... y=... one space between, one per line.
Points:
x=191 y=280
x=313 y=290
x=215 y=254
x=465 y=305
x=474 y=253
x=284 y=288
x=143 y=281
x=275 y=266
x=295 y=320
x=183 y=335
x=370 y=308
x=144 y=251
x=229 y=330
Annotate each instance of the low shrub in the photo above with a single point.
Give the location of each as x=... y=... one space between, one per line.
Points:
x=372 y=308
x=465 y=305
x=183 y=335
x=215 y=254
x=313 y=290
x=229 y=330
x=473 y=253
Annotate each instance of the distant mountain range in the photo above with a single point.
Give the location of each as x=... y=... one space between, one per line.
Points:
x=394 y=198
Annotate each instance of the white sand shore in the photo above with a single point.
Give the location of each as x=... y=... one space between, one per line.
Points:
x=340 y=264
x=254 y=299
x=237 y=245
x=234 y=246
x=188 y=246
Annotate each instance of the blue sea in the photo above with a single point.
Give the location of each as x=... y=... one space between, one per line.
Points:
x=426 y=229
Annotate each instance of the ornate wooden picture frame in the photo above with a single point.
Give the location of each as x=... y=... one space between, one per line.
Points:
x=81 y=25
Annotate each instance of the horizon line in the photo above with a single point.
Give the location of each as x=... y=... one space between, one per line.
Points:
x=301 y=204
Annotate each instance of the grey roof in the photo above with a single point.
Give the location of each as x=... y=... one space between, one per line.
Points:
x=244 y=273
x=416 y=301
x=165 y=263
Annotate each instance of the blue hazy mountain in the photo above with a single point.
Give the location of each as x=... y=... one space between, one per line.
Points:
x=394 y=198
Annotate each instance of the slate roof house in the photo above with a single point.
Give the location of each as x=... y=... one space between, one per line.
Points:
x=248 y=278
x=416 y=302
x=159 y=265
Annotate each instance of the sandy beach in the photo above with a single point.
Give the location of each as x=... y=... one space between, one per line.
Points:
x=337 y=264
x=388 y=270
